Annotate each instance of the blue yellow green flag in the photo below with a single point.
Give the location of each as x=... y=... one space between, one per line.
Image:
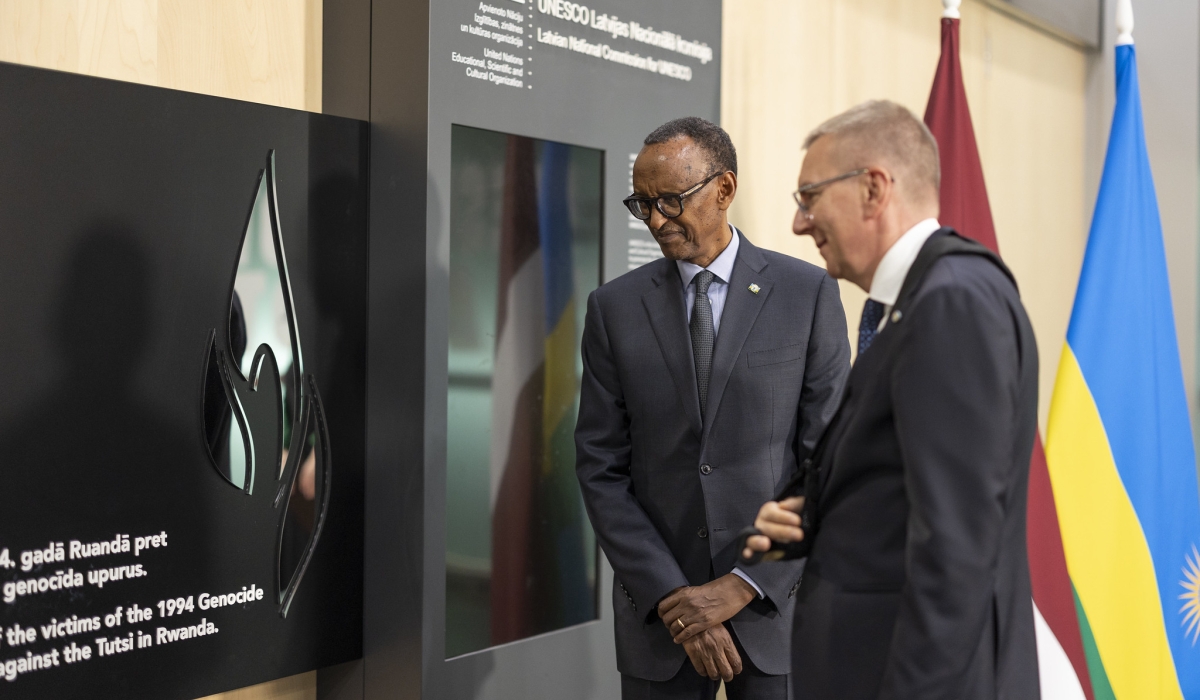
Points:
x=1119 y=444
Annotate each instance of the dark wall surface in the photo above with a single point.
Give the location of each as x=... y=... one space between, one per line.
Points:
x=121 y=218
x=396 y=351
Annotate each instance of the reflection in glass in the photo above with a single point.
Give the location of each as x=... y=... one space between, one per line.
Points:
x=260 y=407
x=258 y=290
x=525 y=220
x=258 y=329
x=305 y=490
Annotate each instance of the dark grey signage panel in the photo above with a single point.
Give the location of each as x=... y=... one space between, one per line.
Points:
x=596 y=74
x=523 y=94
x=182 y=389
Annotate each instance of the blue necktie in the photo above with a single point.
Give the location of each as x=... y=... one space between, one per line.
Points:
x=701 y=328
x=868 y=327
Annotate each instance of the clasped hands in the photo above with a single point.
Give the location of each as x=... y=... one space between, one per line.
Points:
x=694 y=616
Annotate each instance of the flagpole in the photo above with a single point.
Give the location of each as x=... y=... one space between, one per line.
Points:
x=950 y=9
x=1124 y=22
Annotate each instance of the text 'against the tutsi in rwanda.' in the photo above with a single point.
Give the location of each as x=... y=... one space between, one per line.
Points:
x=54 y=636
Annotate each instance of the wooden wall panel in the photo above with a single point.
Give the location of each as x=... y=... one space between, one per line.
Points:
x=314 y=54
x=1029 y=118
x=251 y=50
x=790 y=64
x=118 y=39
x=266 y=51
x=301 y=687
x=43 y=34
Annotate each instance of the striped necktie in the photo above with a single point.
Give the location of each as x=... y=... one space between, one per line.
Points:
x=701 y=328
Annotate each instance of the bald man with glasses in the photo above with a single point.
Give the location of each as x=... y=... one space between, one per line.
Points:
x=707 y=378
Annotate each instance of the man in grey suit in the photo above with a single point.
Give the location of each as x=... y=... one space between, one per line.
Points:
x=707 y=378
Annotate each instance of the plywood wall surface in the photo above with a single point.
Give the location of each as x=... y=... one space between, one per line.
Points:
x=266 y=51
x=791 y=64
x=301 y=687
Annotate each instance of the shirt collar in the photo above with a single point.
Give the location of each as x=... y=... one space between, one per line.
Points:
x=722 y=267
x=896 y=262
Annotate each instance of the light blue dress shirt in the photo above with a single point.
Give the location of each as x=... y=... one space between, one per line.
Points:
x=722 y=269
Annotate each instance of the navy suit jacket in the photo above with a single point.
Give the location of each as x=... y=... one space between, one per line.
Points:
x=667 y=492
x=917 y=585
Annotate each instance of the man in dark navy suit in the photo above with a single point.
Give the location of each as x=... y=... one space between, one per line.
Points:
x=917 y=583
x=707 y=377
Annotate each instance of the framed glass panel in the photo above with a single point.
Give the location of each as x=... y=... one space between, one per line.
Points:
x=525 y=229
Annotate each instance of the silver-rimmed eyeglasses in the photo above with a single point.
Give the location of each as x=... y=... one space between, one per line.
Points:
x=806 y=196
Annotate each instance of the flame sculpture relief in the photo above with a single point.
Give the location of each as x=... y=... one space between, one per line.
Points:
x=263 y=418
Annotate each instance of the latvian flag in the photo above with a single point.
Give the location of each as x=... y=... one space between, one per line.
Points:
x=1062 y=661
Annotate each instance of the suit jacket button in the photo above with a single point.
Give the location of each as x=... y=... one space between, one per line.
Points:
x=702 y=532
x=706 y=469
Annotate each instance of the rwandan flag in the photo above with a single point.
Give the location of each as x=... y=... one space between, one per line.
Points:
x=1119 y=444
x=560 y=550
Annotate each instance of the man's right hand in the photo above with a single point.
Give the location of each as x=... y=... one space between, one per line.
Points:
x=713 y=654
x=777 y=520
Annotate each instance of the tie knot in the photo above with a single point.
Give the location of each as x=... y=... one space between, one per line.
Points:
x=868 y=327
x=703 y=279
x=872 y=313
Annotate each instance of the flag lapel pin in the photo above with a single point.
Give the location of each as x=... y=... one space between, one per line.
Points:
x=754 y=288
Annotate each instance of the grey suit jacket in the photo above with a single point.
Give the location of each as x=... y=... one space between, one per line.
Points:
x=667 y=492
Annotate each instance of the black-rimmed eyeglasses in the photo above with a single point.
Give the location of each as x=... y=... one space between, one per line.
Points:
x=669 y=205
x=804 y=196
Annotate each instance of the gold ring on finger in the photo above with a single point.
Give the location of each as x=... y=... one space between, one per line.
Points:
x=681 y=625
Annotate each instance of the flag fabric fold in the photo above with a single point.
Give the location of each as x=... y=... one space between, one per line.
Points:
x=964 y=199
x=1119 y=445
x=518 y=386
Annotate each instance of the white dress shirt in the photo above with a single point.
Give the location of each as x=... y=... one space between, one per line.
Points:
x=894 y=267
x=722 y=269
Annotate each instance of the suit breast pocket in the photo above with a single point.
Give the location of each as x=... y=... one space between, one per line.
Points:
x=775 y=356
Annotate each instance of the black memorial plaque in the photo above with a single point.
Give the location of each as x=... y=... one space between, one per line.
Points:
x=182 y=389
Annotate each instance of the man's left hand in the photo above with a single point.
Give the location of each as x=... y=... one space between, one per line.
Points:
x=779 y=521
x=691 y=610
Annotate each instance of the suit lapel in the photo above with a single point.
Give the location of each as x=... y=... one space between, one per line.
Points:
x=877 y=353
x=668 y=317
x=741 y=310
